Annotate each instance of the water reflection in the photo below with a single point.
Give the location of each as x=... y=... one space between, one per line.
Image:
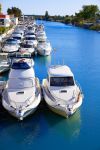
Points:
x=38 y=125
x=40 y=60
x=69 y=128
x=4 y=76
x=23 y=132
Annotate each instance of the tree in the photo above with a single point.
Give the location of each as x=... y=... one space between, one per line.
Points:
x=46 y=16
x=0 y=8
x=14 y=11
x=88 y=12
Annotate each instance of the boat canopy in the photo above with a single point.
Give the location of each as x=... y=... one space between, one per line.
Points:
x=20 y=83
x=60 y=71
x=20 y=65
x=19 y=73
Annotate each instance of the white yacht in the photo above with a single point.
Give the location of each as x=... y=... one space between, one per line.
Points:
x=10 y=46
x=27 y=48
x=41 y=36
x=22 y=94
x=61 y=93
x=44 y=48
x=18 y=37
x=4 y=66
x=31 y=39
x=40 y=33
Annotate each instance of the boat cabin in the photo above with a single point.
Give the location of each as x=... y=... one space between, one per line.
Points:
x=59 y=76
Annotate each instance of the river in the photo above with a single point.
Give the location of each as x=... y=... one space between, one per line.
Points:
x=79 y=49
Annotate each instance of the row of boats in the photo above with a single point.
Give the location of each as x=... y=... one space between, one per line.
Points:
x=22 y=93
x=28 y=38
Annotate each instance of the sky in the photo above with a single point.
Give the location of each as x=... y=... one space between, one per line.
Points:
x=54 y=7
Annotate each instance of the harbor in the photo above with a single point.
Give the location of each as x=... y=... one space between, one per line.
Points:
x=84 y=61
x=49 y=85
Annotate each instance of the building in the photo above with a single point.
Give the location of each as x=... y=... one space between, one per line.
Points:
x=4 y=20
x=7 y=20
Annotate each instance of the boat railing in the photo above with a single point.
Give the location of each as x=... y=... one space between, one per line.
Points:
x=79 y=87
x=20 y=105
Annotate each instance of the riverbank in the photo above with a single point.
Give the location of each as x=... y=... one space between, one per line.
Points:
x=5 y=31
x=88 y=17
x=89 y=26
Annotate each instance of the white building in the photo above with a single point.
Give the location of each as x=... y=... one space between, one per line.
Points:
x=4 y=20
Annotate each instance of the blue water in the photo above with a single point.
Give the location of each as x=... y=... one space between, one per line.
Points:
x=79 y=49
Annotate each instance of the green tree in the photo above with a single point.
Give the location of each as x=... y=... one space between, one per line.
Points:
x=88 y=12
x=15 y=11
x=46 y=17
x=0 y=8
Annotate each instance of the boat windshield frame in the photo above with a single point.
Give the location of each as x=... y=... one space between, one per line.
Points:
x=63 y=82
x=26 y=46
x=17 y=38
x=30 y=38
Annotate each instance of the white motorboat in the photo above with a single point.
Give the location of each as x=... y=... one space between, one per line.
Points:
x=19 y=31
x=44 y=48
x=41 y=36
x=40 y=28
x=18 y=37
x=31 y=39
x=61 y=93
x=27 y=48
x=22 y=95
x=4 y=66
x=40 y=33
x=10 y=46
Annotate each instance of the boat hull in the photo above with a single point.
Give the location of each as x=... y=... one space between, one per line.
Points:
x=57 y=108
x=58 y=111
x=25 y=112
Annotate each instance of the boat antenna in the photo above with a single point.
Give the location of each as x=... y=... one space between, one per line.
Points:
x=63 y=62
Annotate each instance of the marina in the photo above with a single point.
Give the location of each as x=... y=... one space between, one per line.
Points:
x=72 y=46
x=23 y=91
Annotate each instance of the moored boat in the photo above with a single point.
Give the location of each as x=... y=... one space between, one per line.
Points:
x=22 y=94
x=44 y=48
x=61 y=93
x=4 y=66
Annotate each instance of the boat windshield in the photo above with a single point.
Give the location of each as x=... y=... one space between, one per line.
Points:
x=26 y=46
x=19 y=83
x=16 y=37
x=61 y=81
x=30 y=38
x=30 y=33
x=20 y=65
x=11 y=43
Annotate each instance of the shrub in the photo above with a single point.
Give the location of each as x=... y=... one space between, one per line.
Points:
x=95 y=27
x=4 y=29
